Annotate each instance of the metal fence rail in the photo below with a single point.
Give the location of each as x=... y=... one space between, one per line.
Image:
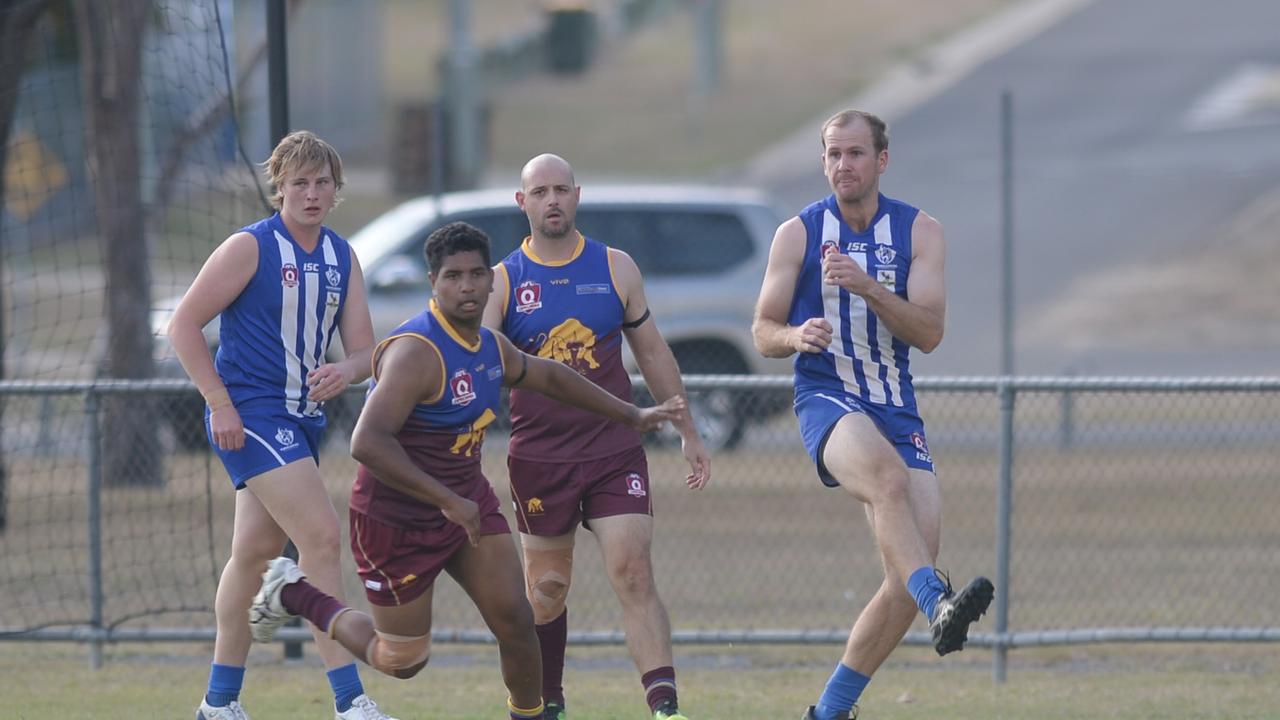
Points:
x=1143 y=514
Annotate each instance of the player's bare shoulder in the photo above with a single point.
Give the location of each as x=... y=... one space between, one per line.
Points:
x=788 y=241
x=622 y=263
x=926 y=234
x=627 y=279
x=496 y=307
x=237 y=248
x=790 y=232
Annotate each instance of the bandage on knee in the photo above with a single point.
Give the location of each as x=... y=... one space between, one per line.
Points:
x=388 y=653
x=547 y=573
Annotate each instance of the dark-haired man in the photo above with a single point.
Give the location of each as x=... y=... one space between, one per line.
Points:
x=420 y=503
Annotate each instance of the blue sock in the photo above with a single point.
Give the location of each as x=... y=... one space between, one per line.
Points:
x=841 y=694
x=345 y=682
x=926 y=588
x=225 y=682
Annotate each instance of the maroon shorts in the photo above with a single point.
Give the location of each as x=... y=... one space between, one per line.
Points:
x=398 y=564
x=552 y=498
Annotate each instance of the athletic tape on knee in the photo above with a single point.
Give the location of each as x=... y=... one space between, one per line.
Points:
x=388 y=653
x=547 y=573
x=332 y=630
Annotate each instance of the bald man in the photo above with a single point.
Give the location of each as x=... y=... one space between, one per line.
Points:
x=570 y=298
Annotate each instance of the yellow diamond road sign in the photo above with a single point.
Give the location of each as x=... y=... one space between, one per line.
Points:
x=31 y=176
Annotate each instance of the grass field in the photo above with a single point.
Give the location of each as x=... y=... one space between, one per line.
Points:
x=636 y=111
x=1158 y=512
x=1173 y=682
x=1161 y=506
x=782 y=64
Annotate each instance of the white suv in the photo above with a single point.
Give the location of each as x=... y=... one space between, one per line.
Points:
x=702 y=251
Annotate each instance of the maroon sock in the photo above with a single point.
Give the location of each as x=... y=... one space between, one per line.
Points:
x=553 y=637
x=303 y=598
x=659 y=686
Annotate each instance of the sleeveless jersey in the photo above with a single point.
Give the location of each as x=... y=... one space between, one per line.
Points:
x=864 y=359
x=443 y=437
x=279 y=328
x=570 y=312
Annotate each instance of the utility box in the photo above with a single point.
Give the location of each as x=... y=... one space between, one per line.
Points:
x=420 y=161
x=571 y=37
x=411 y=149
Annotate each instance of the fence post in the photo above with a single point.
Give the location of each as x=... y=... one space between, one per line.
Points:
x=1067 y=417
x=94 y=480
x=1004 y=531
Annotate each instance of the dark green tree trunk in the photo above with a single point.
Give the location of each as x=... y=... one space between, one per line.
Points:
x=111 y=39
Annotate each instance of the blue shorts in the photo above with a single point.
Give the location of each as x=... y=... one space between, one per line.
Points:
x=819 y=411
x=271 y=440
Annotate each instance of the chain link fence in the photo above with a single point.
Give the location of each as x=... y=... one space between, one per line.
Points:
x=1136 y=510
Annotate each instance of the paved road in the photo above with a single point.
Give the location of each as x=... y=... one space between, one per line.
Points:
x=1142 y=127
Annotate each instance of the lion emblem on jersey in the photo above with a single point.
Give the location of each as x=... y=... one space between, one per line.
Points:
x=468 y=443
x=571 y=343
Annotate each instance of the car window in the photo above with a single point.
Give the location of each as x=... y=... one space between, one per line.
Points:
x=671 y=241
x=664 y=241
x=506 y=229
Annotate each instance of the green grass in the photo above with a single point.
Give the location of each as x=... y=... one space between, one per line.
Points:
x=636 y=109
x=462 y=683
x=1163 y=531
x=636 y=112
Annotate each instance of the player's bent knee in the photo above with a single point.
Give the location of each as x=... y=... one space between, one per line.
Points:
x=400 y=656
x=547 y=574
x=253 y=552
x=548 y=596
x=407 y=673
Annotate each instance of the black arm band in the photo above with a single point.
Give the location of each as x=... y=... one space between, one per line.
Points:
x=637 y=322
x=524 y=369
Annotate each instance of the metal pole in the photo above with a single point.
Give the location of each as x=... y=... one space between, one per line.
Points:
x=94 y=480
x=463 y=114
x=278 y=94
x=708 y=46
x=1004 y=529
x=1006 y=233
x=1066 y=417
x=438 y=150
x=277 y=70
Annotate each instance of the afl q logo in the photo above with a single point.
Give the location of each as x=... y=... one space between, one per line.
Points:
x=289 y=275
x=828 y=248
x=462 y=388
x=528 y=296
x=635 y=485
x=918 y=441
